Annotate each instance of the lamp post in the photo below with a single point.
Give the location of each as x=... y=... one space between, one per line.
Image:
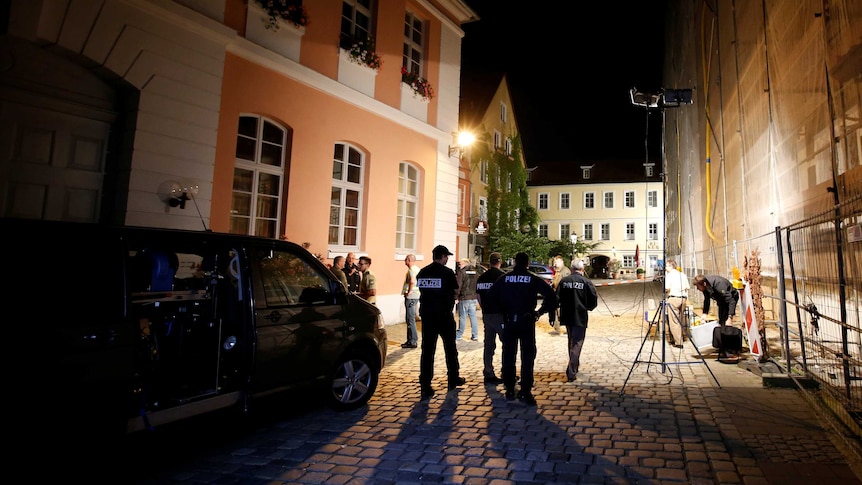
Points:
x=573 y=237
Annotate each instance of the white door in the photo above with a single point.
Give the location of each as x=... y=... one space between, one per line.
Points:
x=51 y=163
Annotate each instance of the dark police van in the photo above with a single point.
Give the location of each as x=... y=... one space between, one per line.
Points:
x=121 y=329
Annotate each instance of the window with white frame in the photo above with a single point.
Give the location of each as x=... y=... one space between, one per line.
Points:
x=543 y=201
x=543 y=230
x=408 y=207
x=649 y=169
x=565 y=231
x=504 y=113
x=483 y=208
x=653 y=231
x=608 y=198
x=588 y=232
x=630 y=231
x=258 y=177
x=605 y=232
x=498 y=139
x=414 y=44
x=355 y=21
x=585 y=171
x=630 y=199
x=589 y=200
x=345 y=206
x=483 y=171
x=652 y=198
x=565 y=200
x=508 y=147
x=628 y=261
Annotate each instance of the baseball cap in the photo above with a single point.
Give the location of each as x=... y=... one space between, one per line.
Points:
x=495 y=257
x=440 y=251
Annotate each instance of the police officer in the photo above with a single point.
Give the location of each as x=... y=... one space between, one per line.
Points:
x=438 y=288
x=516 y=293
x=577 y=295
x=492 y=316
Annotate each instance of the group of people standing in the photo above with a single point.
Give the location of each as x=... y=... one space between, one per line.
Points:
x=509 y=304
x=356 y=275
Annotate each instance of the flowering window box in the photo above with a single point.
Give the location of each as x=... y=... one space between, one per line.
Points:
x=286 y=39
x=357 y=76
x=413 y=104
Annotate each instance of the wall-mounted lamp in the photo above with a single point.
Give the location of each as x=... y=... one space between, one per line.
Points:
x=462 y=140
x=175 y=194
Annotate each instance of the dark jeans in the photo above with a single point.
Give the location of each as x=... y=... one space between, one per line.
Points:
x=434 y=326
x=522 y=332
x=493 y=330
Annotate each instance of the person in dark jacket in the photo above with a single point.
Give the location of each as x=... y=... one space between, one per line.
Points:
x=577 y=296
x=438 y=288
x=516 y=294
x=492 y=316
x=721 y=290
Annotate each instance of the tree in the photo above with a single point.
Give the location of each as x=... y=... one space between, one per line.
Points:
x=509 y=209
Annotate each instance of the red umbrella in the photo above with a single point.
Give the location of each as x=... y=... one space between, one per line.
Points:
x=637 y=255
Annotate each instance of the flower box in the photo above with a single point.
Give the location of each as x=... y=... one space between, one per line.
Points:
x=286 y=41
x=354 y=75
x=413 y=104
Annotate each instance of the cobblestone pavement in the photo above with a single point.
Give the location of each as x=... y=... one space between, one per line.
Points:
x=632 y=416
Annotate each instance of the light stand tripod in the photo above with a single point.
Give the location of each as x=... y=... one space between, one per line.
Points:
x=666 y=99
x=659 y=323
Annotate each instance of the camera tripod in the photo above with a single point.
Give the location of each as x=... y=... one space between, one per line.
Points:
x=659 y=323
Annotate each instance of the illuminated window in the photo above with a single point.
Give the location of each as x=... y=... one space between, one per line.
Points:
x=408 y=207
x=345 y=205
x=258 y=175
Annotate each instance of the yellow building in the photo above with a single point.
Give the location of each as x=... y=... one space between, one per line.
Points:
x=615 y=205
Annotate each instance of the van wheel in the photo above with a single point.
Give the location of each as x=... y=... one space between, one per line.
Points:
x=353 y=382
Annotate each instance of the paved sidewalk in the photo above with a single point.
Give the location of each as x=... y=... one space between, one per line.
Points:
x=622 y=421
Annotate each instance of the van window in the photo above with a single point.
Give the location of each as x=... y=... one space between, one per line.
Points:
x=288 y=279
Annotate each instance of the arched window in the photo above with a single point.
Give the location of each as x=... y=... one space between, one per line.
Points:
x=408 y=207
x=258 y=176
x=348 y=166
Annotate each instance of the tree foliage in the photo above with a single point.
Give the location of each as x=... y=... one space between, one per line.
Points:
x=512 y=222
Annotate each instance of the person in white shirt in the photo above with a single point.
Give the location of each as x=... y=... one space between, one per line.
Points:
x=676 y=287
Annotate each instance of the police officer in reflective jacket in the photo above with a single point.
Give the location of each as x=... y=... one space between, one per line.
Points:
x=517 y=294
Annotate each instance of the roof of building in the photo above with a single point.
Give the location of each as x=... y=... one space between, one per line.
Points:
x=566 y=172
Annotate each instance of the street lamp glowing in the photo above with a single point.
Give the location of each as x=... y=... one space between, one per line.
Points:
x=463 y=139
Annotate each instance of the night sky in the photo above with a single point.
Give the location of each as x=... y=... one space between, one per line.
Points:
x=570 y=67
